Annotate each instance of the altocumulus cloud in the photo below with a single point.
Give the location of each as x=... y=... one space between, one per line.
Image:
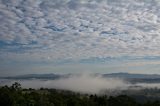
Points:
x=50 y=30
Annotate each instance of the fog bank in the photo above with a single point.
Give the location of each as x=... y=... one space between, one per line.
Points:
x=84 y=83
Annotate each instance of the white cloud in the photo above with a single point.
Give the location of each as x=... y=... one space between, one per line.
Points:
x=79 y=29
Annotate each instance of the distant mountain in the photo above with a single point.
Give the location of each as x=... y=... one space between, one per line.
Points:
x=133 y=78
x=128 y=76
x=34 y=76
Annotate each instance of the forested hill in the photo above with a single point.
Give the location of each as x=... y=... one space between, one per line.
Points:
x=16 y=96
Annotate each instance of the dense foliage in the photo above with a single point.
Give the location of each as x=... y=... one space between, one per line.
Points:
x=16 y=96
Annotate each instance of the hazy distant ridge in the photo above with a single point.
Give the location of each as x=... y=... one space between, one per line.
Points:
x=112 y=75
x=128 y=75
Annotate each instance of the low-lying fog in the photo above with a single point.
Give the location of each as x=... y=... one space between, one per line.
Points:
x=84 y=83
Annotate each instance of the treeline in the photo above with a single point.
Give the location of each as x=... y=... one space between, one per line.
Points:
x=16 y=96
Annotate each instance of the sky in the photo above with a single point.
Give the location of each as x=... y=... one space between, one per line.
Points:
x=73 y=36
